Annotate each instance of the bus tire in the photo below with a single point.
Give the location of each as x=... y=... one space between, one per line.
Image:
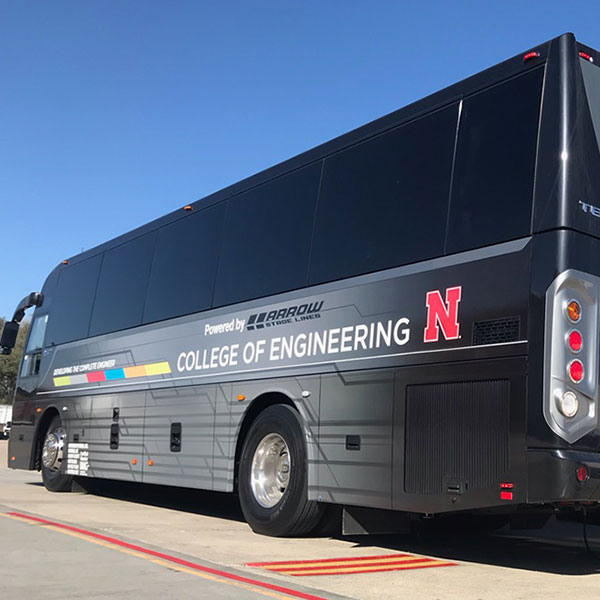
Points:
x=273 y=482
x=54 y=459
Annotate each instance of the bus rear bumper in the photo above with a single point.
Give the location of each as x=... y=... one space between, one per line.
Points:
x=563 y=476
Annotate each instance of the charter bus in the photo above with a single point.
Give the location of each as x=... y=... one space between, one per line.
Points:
x=401 y=321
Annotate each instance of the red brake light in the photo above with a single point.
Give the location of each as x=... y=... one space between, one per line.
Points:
x=586 y=56
x=582 y=473
x=576 y=371
x=575 y=341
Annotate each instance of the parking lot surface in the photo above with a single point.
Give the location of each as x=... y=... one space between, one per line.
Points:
x=125 y=540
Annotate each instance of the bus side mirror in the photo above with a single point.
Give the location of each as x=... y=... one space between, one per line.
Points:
x=9 y=336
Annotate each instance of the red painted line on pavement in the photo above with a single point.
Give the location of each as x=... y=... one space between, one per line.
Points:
x=173 y=559
x=363 y=571
x=327 y=560
x=394 y=564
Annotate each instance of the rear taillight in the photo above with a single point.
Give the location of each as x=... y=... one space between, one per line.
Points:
x=573 y=311
x=574 y=341
x=571 y=354
x=576 y=371
x=568 y=404
x=582 y=473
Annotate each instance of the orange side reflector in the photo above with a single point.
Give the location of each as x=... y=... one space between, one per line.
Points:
x=150 y=463
x=38 y=410
x=133 y=461
x=241 y=397
x=12 y=458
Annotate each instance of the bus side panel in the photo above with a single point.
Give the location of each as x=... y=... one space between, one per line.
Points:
x=224 y=443
x=76 y=414
x=22 y=436
x=178 y=436
x=459 y=433
x=125 y=413
x=355 y=438
x=20 y=446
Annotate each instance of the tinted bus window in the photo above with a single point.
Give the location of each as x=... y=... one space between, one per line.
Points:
x=267 y=241
x=591 y=79
x=38 y=332
x=384 y=202
x=493 y=180
x=122 y=285
x=185 y=263
x=71 y=305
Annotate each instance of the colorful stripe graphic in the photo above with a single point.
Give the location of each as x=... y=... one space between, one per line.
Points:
x=159 y=368
x=346 y=566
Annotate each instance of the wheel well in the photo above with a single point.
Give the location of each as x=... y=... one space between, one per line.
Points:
x=258 y=405
x=41 y=431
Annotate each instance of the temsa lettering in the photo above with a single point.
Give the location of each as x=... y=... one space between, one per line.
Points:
x=442 y=314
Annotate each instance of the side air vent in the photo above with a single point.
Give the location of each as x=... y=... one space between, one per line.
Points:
x=497 y=331
x=456 y=435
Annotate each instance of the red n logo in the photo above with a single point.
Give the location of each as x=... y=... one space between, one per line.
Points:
x=444 y=315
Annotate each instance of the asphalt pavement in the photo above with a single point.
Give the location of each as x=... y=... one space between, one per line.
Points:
x=132 y=541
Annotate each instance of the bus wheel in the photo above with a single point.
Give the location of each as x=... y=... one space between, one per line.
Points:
x=273 y=476
x=53 y=452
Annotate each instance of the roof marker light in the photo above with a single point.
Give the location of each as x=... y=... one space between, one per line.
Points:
x=586 y=56
x=530 y=55
x=187 y=207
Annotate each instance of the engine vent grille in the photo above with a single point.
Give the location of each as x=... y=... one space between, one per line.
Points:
x=456 y=432
x=497 y=331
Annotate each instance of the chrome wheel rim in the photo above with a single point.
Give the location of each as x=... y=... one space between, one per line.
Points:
x=271 y=468
x=52 y=451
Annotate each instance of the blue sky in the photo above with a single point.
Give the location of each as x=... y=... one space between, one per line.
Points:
x=114 y=112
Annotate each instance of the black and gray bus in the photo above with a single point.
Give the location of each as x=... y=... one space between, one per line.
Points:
x=403 y=320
